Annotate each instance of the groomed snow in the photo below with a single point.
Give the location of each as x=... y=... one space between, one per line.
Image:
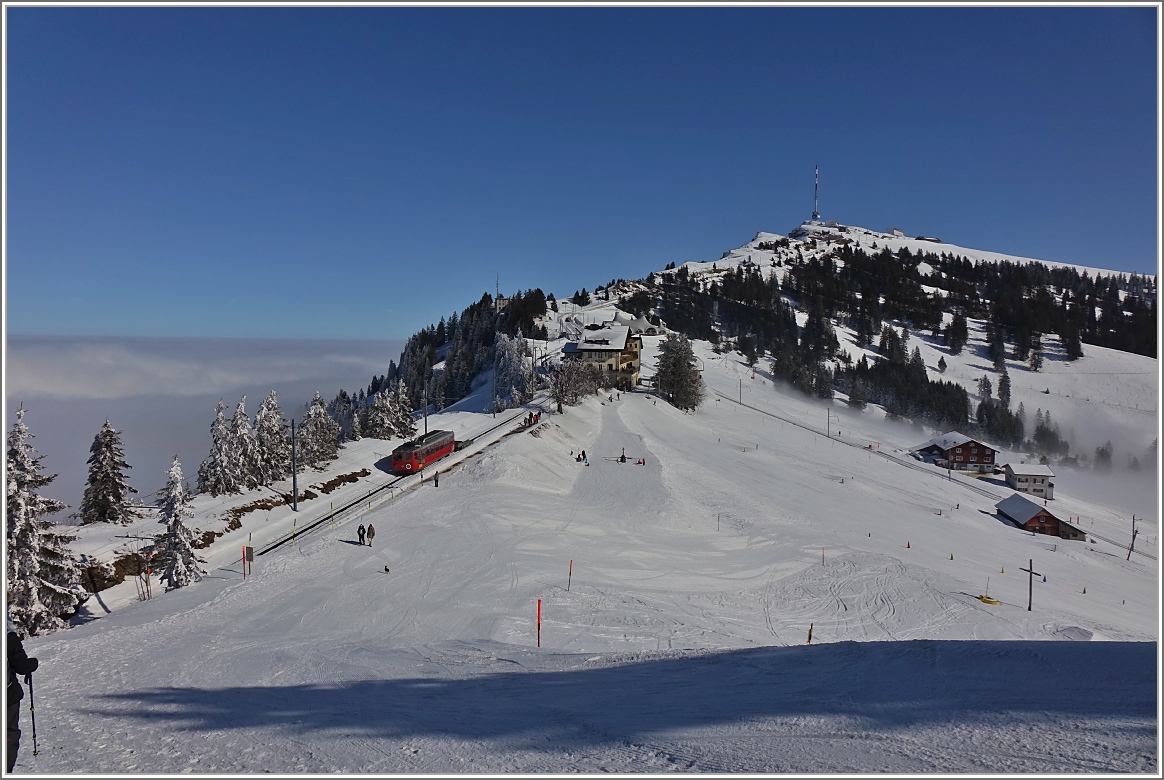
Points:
x=679 y=642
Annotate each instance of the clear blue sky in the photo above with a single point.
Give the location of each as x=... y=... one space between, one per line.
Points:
x=360 y=172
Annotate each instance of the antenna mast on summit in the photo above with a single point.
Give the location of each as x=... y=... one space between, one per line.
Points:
x=816 y=195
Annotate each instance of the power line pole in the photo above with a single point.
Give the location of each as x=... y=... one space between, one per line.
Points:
x=1030 y=570
x=1135 y=533
x=294 y=472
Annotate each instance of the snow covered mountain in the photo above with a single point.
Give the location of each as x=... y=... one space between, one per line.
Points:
x=676 y=602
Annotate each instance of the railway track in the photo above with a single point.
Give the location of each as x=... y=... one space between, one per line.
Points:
x=336 y=514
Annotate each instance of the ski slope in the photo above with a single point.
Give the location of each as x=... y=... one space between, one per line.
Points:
x=679 y=642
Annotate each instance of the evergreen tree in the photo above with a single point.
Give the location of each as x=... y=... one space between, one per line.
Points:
x=175 y=546
x=320 y=435
x=1036 y=355
x=941 y=365
x=215 y=474
x=1004 y=388
x=106 y=498
x=381 y=422
x=356 y=433
x=244 y=449
x=272 y=441
x=403 y=425
x=43 y=576
x=985 y=389
x=677 y=378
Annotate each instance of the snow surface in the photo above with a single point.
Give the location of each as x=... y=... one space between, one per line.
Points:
x=679 y=641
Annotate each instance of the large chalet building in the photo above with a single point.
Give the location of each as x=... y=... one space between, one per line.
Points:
x=613 y=350
x=959 y=452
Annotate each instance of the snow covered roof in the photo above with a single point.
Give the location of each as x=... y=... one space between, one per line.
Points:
x=947 y=441
x=609 y=337
x=1018 y=508
x=1031 y=469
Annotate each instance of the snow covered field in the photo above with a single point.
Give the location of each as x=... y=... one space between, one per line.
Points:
x=679 y=641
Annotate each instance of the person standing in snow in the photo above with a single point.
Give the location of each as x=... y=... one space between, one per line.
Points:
x=18 y=663
x=371 y=533
x=360 y=533
x=436 y=479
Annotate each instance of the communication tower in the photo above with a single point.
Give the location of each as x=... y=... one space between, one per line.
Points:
x=816 y=196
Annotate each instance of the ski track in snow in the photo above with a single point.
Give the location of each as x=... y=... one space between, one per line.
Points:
x=677 y=647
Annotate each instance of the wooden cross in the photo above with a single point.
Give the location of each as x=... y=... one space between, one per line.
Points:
x=1031 y=574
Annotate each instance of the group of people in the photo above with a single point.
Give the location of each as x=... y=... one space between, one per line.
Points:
x=367 y=533
x=533 y=418
x=581 y=457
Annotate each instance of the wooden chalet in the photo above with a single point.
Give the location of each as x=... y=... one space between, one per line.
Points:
x=959 y=452
x=1029 y=516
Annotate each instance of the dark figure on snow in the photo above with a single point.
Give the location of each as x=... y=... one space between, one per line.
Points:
x=371 y=533
x=18 y=664
x=436 y=479
x=360 y=533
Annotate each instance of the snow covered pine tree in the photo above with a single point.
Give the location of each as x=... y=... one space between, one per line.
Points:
x=677 y=377
x=272 y=443
x=106 y=498
x=175 y=546
x=43 y=576
x=215 y=475
x=320 y=435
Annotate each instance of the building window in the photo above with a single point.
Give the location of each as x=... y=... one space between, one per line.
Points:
x=958 y=457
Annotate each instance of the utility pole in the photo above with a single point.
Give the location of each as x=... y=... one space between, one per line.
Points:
x=294 y=472
x=1031 y=573
x=1135 y=533
x=426 y=381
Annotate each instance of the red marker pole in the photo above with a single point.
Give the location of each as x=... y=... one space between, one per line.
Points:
x=570 y=576
x=539 y=622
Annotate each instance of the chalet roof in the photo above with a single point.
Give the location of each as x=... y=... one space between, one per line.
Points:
x=1030 y=469
x=945 y=442
x=1018 y=508
x=609 y=337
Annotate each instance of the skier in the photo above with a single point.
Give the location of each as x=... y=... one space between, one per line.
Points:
x=371 y=533
x=18 y=663
x=360 y=533
x=583 y=454
x=386 y=570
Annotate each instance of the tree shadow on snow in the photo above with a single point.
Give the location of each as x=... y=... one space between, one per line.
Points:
x=887 y=684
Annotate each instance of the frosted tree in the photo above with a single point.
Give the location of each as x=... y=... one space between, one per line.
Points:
x=402 y=423
x=175 y=546
x=320 y=435
x=43 y=576
x=216 y=475
x=106 y=498
x=272 y=442
x=243 y=448
x=381 y=424
x=356 y=431
x=509 y=379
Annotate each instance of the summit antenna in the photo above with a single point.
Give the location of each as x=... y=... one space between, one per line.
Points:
x=816 y=195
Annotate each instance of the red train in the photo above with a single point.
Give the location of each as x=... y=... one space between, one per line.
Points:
x=413 y=456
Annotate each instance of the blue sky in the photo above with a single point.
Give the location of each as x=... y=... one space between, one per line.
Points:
x=360 y=172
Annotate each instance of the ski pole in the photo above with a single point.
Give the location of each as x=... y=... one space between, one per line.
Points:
x=32 y=709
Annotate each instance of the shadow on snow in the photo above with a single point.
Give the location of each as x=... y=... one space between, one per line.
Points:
x=888 y=685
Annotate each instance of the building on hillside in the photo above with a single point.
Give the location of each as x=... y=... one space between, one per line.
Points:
x=959 y=452
x=613 y=350
x=1029 y=516
x=1031 y=478
x=896 y=232
x=639 y=326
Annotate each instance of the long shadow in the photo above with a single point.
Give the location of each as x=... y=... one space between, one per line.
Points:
x=888 y=684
